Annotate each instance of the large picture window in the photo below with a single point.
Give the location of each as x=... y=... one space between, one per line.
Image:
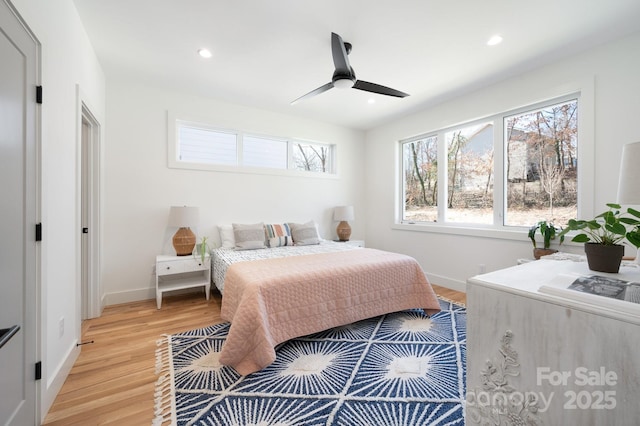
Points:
x=537 y=178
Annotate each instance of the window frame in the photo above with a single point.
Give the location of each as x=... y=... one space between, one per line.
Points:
x=582 y=91
x=173 y=132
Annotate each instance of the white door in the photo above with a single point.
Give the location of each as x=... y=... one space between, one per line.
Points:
x=18 y=212
x=90 y=213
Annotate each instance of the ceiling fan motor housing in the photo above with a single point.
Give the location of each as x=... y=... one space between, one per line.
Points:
x=343 y=81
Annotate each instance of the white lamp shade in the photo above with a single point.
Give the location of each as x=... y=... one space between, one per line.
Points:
x=343 y=213
x=629 y=184
x=184 y=216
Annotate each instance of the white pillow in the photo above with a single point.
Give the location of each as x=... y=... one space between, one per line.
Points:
x=226 y=236
x=304 y=234
x=249 y=237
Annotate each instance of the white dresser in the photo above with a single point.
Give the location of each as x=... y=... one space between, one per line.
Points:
x=182 y=272
x=531 y=355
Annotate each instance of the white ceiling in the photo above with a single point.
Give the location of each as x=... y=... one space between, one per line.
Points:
x=268 y=53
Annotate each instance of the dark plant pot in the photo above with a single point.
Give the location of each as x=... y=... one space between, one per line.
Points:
x=539 y=252
x=603 y=258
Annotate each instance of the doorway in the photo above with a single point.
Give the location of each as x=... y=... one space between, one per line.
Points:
x=90 y=294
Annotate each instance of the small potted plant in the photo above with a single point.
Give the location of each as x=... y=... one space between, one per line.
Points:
x=633 y=236
x=602 y=236
x=201 y=249
x=548 y=231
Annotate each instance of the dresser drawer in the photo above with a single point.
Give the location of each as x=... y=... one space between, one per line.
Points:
x=168 y=268
x=196 y=264
x=189 y=264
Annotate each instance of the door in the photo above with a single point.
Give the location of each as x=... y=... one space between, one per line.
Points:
x=85 y=247
x=90 y=213
x=18 y=210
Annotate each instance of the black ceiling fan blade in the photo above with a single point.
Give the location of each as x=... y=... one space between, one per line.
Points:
x=376 y=88
x=315 y=92
x=340 y=59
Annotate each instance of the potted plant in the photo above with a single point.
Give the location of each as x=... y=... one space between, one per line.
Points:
x=548 y=231
x=633 y=236
x=202 y=248
x=602 y=236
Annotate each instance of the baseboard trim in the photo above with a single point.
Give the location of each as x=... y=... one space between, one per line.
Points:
x=443 y=281
x=129 y=296
x=57 y=379
x=139 y=294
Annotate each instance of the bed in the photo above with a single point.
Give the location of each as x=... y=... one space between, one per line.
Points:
x=276 y=294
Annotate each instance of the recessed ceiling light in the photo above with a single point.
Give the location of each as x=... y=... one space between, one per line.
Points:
x=205 y=53
x=496 y=39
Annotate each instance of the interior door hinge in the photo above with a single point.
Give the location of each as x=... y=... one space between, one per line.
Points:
x=38 y=231
x=39 y=94
x=38 y=370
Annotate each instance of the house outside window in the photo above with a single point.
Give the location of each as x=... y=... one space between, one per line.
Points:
x=542 y=164
x=201 y=144
x=537 y=178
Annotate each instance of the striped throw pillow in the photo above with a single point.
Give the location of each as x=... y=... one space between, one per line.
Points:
x=278 y=234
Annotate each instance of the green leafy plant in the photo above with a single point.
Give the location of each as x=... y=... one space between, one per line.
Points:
x=202 y=248
x=633 y=236
x=548 y=231
x=607 y=228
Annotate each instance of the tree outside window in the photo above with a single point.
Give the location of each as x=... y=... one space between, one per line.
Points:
x=542 y=165
x=311 y=157
x=539 y=172
x=420 y=179
x=470 y=174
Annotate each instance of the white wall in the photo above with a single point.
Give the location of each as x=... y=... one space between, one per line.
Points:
x=449 y=259
x=140 y=188
x=68 y=61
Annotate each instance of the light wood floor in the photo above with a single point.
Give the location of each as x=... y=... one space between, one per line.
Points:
x=112 y=382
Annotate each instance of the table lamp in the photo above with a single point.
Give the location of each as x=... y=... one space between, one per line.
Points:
x=629 y=183
x=343 y=214
x=182 y=217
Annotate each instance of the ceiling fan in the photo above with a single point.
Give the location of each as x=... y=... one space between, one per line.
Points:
x=345 y=77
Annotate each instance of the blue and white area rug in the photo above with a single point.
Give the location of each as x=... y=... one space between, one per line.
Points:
x=399 y=369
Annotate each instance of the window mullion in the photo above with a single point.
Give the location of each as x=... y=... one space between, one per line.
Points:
x=239 y=149
x=442 y=177
x=499 y=171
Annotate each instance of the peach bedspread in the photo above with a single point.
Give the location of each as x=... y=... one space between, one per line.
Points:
x=273 y=300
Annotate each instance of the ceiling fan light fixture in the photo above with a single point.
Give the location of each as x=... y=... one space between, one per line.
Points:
x=343 y=83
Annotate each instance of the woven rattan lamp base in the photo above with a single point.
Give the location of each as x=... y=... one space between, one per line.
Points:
x=184 y=241
x=344 y=231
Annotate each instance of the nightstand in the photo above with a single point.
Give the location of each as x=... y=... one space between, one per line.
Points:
x=355 y=243
x=181 y=272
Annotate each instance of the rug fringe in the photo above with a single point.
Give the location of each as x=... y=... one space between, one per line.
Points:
x=446 y=299
x=164 y=409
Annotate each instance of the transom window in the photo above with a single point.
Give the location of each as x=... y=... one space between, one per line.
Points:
x=200 y=144
x=532 y=177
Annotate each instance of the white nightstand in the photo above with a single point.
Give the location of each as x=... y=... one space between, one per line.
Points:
x=180 y=272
